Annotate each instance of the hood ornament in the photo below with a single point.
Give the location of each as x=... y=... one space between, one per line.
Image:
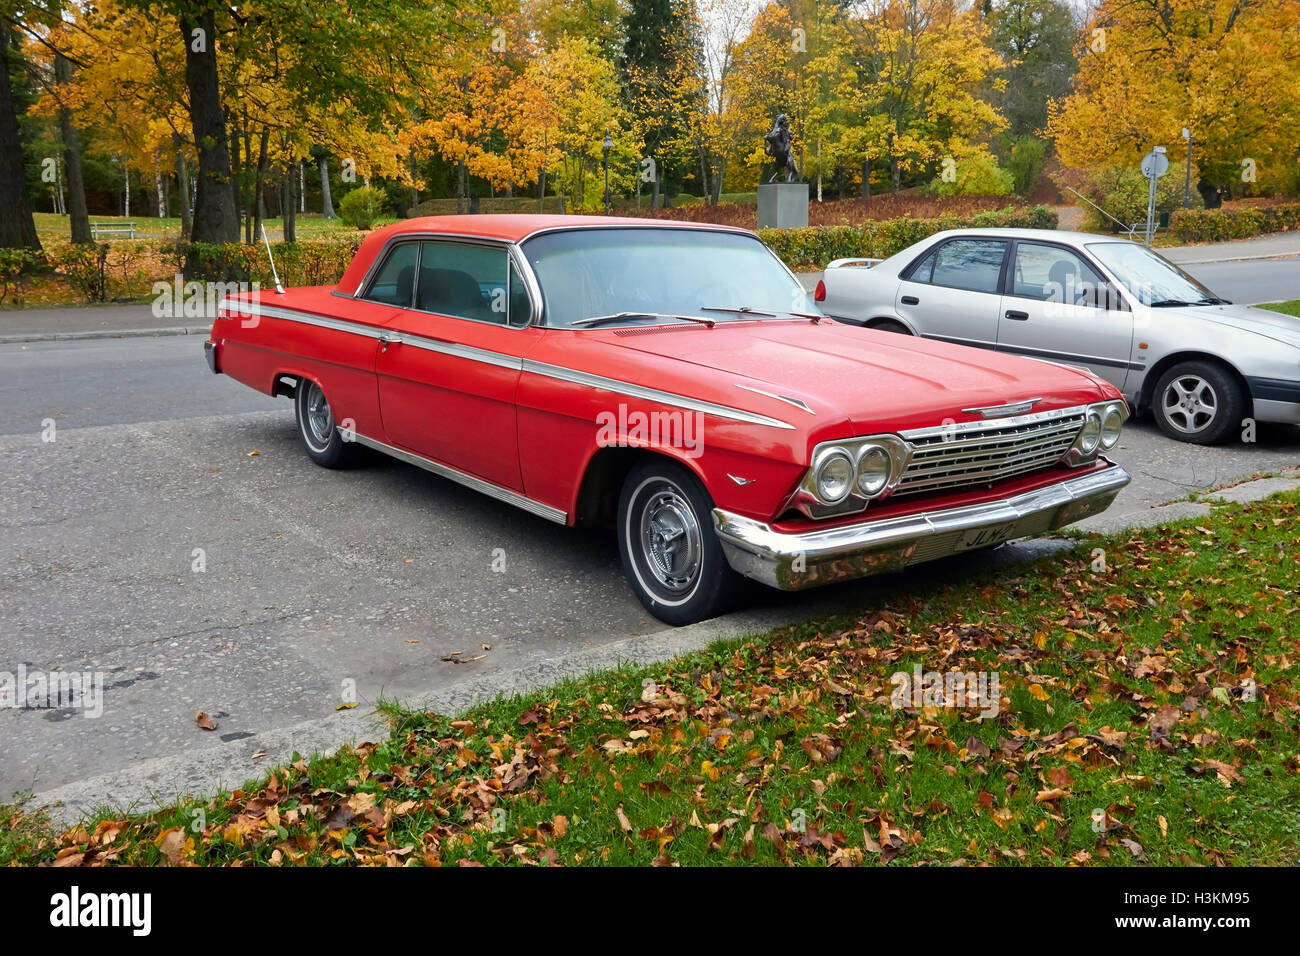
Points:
x=1004 y=411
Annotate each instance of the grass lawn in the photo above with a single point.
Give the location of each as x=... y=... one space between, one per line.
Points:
x=1290 y=307
x=1147 y=713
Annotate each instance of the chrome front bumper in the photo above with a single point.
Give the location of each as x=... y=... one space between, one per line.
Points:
x=792 y=562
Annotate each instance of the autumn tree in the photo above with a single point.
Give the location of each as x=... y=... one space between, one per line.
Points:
x=1228 y=70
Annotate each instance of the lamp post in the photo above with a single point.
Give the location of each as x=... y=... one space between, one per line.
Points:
x=605 y=148
x=1187 y=188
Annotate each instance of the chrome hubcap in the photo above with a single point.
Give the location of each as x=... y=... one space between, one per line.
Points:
x=671 y=542
x=1190 y=404
x=320 y=420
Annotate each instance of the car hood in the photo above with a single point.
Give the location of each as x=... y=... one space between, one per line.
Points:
x=1275 y=325
x=879 y=380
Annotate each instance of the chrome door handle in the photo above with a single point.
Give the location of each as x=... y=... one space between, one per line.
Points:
x=390 y=338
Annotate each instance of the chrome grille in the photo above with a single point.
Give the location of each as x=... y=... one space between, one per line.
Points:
x=976 y=454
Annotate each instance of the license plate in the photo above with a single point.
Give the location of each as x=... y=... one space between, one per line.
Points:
x=983 y=537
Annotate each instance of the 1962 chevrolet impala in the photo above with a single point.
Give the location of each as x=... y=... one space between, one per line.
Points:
x=675 y=382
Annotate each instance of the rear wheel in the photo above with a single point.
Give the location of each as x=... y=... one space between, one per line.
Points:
x=671 y=554
x=316 y=427
x=1198 y=402
x=889 y=325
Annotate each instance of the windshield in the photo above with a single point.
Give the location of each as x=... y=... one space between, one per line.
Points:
x=1152 y=278
x=648 y=273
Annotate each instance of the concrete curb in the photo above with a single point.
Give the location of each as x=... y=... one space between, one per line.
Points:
x=12 y=337
x=163 y=780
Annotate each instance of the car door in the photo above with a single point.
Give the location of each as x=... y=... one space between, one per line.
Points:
x=449 y=365
x=952 y=292
x=1057 y=306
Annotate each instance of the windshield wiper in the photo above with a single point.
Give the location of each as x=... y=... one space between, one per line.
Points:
x=620 y=316
x=1214 y=300
x=743 y=310
x=1168 y=303
x=746 y=310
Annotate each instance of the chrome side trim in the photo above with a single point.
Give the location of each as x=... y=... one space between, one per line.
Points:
x=469 y=481
x=650 y=394
x=796 y=561
x=306 y=318
x=780 y=398
x=468 y=352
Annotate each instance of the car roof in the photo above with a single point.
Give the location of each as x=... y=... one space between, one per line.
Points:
x=1060 y=235
x=515 y=227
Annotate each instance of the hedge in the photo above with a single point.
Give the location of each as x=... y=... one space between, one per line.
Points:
x=815 y=246
x=1242 y=222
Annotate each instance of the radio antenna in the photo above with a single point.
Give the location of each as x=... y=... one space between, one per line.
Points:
x=276 y=275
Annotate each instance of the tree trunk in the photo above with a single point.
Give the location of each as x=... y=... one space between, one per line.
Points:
x=326 y=202
x=182 y=185
x=718 y=179
x=259 y=177
x=17 y=225
x=415 y=193
x=215 y=217
x=291 y=185
x=866 y=179
x=76 y=201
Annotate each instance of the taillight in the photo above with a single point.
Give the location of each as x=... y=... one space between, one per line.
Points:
x=820 y=294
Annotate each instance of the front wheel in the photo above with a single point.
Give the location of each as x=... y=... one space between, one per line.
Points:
x=671 y=554
x=320 y=438
x=1198 y=402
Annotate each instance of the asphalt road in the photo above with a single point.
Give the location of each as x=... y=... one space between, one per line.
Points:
x=310 y=579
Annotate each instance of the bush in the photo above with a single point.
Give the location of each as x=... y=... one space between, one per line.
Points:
x=319 y=262
x=1123 y=191
x=362 y=206
x=86 y=268
x=1238 y=222
x=978 y=175
x=14 y=264
x=817 y=245
x=1025 y=163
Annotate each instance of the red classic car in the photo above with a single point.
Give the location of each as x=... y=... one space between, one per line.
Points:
x=675 y=382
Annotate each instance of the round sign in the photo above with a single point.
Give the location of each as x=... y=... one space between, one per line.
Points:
x=1155 y=164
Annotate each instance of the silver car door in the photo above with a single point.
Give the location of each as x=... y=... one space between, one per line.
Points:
x=952 y=293
x=1059 y=307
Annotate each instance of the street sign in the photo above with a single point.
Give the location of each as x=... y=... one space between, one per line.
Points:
x=1155 y=163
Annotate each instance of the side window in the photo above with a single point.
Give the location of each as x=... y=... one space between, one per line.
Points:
x=396 y=277
x=972 y=264
x=1053 y=274
x=521 y=307
x=922 y=271
x=463 y=279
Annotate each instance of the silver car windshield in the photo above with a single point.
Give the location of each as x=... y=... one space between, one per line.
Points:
x=1152 y=278
x=641 y=274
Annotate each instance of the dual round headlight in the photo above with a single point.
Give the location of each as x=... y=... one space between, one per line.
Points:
x=852 y=468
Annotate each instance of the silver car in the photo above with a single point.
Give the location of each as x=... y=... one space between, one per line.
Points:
x=1200 y=364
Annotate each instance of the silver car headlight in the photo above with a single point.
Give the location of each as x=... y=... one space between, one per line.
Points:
x=875 y=465
x=1100 y=431
x=833 y=476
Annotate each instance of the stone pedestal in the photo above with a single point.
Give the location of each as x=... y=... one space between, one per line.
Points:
x=782 y=205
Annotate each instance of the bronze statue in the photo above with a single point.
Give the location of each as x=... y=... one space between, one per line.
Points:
x=777 y=145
